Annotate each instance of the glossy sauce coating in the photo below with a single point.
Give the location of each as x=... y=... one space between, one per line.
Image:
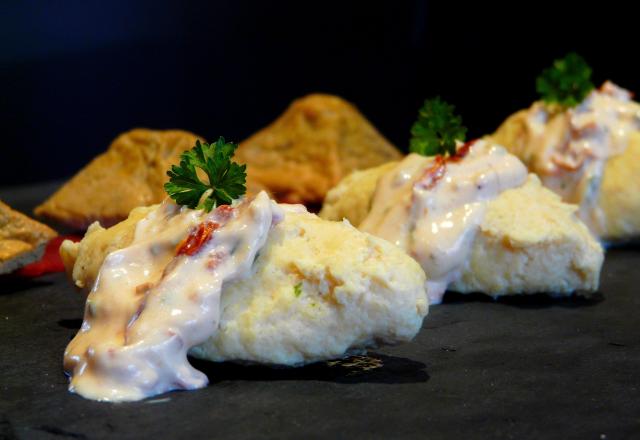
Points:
x=154 y=300
x=571 y=147
x=432 y=208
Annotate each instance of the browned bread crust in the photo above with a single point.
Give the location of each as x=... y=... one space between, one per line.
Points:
x=22 y=240
x=298 y=158
x=317 y=141
x=129 y=174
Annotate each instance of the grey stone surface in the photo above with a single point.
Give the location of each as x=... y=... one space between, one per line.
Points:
x=523 y=368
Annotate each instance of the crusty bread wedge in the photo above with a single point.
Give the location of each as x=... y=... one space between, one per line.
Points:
x=317 y=141
x=298 y=158
x=22 y=239
x=529 y=241
x=129 y=174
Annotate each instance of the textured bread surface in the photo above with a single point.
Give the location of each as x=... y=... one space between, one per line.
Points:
x=317 y=141
x=129 y=174
x=22 y=239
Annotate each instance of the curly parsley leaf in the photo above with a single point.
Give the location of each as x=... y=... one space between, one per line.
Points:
x=567 y=82
x=437 y=129
x=225 y=179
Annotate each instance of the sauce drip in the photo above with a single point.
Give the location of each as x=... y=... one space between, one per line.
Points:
x=432 y=207
x=151 y=304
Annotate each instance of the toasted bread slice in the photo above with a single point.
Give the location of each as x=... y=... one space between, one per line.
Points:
x=317 y=141
x=22 y=239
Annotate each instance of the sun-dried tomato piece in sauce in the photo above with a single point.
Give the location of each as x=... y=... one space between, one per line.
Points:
x=462 y=151
x=197 y=238
x=224 y=211
x=434 y=173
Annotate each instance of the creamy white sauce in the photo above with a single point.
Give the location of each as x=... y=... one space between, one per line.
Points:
x=571 y=148
x=435 y=219
x=150 y=304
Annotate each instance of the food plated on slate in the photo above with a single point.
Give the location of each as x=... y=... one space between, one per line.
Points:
x=224 y=277
x=471 y=215
x=207 y=249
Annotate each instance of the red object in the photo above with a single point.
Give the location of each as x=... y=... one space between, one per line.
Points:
x=434 y=173
x=224 y=211
x=197 y=238
x=462 y=151
x=437 y=170
x=50 y=261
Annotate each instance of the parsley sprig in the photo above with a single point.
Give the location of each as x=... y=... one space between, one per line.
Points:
x=437 y=129
x=567 y=82
x=225 y=179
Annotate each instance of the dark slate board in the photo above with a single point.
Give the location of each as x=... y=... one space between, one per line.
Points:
x=528 y=367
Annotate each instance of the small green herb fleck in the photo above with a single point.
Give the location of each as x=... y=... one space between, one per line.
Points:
x=297 y=290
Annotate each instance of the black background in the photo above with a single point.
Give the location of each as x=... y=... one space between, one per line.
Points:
x=76 y=73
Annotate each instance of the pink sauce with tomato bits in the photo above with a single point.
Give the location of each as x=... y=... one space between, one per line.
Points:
x=570 y=148
x=432 y=207
x=157 y=298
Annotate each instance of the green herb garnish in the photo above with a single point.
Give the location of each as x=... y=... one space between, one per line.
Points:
x=567 y=82
x=297 y=290
x=437 y=129
x=225 y=179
